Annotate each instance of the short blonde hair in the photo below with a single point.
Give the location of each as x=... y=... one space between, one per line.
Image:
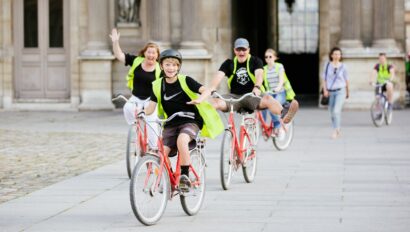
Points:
x=271 y=51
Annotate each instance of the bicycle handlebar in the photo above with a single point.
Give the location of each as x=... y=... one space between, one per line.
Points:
x=271 y=92
x=161 y=121
x=122 y=97
x=233 y=100
x=181 y=114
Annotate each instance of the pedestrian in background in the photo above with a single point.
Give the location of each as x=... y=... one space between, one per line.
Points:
x=336 y=87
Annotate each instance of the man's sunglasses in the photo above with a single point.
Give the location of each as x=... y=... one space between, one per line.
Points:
x=240 y=49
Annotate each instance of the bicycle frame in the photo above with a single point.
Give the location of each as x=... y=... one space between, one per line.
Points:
x=266 y=128
x=238 y=142
x=142 y=138
x=165 y=165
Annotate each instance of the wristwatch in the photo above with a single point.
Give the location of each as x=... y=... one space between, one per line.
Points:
x=257 y=86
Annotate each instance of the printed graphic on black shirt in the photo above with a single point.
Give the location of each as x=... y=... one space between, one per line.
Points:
x=243 y=77
x=241 y=82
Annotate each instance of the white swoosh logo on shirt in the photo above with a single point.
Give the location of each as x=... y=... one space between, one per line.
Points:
x=170 y=97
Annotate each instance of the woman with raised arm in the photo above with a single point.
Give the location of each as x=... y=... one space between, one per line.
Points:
x=144 y=70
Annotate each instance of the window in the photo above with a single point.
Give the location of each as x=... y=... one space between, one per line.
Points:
x=55 y=14
x=299 y=30
x=30 y=24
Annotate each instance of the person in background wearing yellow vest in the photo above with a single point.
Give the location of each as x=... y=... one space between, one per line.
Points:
x=144 y=70
x=245 y=75
x=274 y=79
x=174 y=93
x=383 y=73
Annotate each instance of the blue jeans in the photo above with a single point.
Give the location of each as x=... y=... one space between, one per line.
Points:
x=336 y=100
x=281 y=98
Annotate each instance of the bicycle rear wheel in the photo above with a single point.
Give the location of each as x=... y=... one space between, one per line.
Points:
x=227 y=159
x=148 y=201
x=377 y=112
x=192 y=201
x=284 y=138
x=131 y=156
x=249 y=164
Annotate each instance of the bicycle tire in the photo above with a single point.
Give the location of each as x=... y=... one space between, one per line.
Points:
x=282 y=142
x=226 y=159
x=388 y=114
x=249 y=165
x=133 y=151
x=377 y=113
x=142 y=197
x=130 y=154
x=192 y=201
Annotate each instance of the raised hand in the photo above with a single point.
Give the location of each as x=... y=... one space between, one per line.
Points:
x=115 y=35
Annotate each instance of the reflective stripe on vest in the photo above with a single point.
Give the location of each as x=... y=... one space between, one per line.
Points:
x=383 y=74
x=213 y=124
x=235 y=62
x=290 y=94
x=130 y=76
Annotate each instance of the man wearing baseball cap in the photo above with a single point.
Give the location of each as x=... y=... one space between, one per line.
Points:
x=245 y=75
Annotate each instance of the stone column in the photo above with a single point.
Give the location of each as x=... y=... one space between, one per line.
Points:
x=351 y=20
x=195 y=56
x=176 y=22
x=191 y=27
x=96 y=59
x=383 y=26
x=98 y=15
x=159 y=22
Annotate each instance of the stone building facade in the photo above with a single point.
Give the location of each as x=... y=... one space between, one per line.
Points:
x=56 y=54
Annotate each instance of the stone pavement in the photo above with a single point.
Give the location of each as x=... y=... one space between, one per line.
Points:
x=41 y=148
x=360 y=182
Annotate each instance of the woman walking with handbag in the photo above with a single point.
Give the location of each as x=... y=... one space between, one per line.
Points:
x=336 y=88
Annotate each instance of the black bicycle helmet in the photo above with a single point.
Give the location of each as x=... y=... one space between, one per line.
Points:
x=170 y=53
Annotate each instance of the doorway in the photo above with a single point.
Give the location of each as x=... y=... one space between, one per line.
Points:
x=298 y=46
x=41 y=51
x=291 y=27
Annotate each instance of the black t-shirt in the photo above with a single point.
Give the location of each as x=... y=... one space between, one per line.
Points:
x=241 y=82
x=142 y=83
x=174 y=99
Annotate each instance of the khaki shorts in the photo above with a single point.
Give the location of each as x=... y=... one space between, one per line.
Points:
x=170 y=136
x=250 y=103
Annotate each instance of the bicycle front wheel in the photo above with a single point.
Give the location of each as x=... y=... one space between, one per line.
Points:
x=284 y=138
x=377 y=112
x=192 y=201
x=227 y=159
x=149 y=199
x=388 y=114
x=249 y=164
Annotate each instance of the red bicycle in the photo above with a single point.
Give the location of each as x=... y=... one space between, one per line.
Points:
x=238 y=151
x=154 y=182
x=137 y=140
x=283 y=139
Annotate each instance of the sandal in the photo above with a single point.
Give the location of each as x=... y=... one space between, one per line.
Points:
x=293 y=108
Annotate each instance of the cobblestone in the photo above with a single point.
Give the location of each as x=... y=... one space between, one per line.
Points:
x=31 y=160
